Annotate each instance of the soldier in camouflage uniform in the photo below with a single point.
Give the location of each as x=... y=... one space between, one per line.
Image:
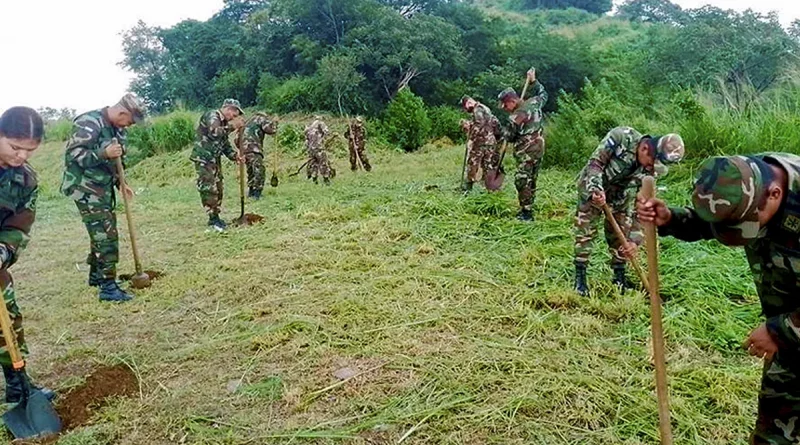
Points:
x=754 y=202
x=483 y=130
x=356 y=136
x=90 y=177
x=318 y=162
x=612 y=175
x=525 y=131
x=250 y=143
x=21 y=132
x=212 y=141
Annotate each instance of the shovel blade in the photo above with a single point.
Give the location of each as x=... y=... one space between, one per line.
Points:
x=494 y=179
x=34 y=417
x=274 y=181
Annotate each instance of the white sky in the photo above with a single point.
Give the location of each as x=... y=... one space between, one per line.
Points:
x=64 y=53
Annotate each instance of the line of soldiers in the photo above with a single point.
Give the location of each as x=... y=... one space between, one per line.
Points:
x=747 y=201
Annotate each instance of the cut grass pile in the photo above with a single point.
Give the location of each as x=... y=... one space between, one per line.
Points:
x=384 y=309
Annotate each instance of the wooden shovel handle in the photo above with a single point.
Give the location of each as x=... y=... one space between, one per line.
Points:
x=623 y=240
x=10 y=337
x=651 y=240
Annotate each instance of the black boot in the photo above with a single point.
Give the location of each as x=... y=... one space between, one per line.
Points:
x=255 y=194
x=525 y=215
x=581 y=285
x=326 y=181
x=15 y=385
x=467 y=187
x=620 y=280
x=367 y=167
x=216 y=223
x=94 y=275
x=110 y=291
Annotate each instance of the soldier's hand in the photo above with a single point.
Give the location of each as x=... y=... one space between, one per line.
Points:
x=629 y=250
x=237 y=122
x=531 y=75
x=127 y=191
x=761 y=344
x=599 y=198
x=652 y=210
x=239 y=158
x=113 y=150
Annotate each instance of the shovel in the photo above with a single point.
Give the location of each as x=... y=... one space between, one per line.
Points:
x=34 y=415
x=623 y=240
x=244 y=219
x=495 y=181
x=141 y=280
x=273 y=181
x=651 y=238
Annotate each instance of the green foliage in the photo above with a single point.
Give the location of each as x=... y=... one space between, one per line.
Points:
x=290 y=137
x=234 y=83
x=594 y=6
x=165 y=134
x=296 y=93
x=59 y=130
x=406 y=122
x=445 y=123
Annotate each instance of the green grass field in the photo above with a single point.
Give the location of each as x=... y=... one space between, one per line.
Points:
x=459 y=320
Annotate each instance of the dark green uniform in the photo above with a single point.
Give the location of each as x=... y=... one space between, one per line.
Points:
x=212 y=142
x=251 y=144
x=526 y=126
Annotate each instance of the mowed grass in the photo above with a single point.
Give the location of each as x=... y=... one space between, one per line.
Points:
x=458 y=322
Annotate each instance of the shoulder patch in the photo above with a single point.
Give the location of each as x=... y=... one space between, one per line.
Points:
x=792 y=223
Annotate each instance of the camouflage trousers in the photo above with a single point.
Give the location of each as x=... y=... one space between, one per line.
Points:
x=9 y=295
x=588 y=217
x=318 y=163
x=778 y=420
x=100 y=220
x=481 y=159
x=358 y=151
x=210 y=186
x=528 y=151
x=256 y=173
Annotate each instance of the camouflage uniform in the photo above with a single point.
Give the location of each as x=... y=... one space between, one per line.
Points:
x=250 y=143
x=727 y=194
x=318 y=163
x=89 y=180
x=526 y=133
x=18 y=192
x=212 y=142
x=482 y=157
x=356 y=143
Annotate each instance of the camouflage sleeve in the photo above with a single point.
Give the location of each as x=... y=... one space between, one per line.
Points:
x=15 y=230
x=785 y=330
x=83 y=147
x=598 y=162
x=539 y=94
x=228 y=149
x=216 y=129
x=685 y=225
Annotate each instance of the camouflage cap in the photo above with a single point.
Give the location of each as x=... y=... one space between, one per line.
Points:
x=506 y=94
x=232 y=103
x=135 y=106
x=464 y=99
x=727 y=193
x=670 y=148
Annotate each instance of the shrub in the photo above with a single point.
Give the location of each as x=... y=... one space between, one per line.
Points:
x=166 y=134
x=294 y=94
x=290 y=137
x=406 y=122
x=59 y=130
x=445 y=123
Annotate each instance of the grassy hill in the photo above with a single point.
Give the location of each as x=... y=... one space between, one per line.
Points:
x=457 y=321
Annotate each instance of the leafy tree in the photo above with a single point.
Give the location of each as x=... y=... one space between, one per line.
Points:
x=406 y=122
x=654 y=11
x=595 y=6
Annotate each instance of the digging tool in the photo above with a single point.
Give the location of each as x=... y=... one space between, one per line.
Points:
x=623 y=240
x=496 y=181
x=141 y=280
x=651 y=240
x=273 y=181
x=464 y=164
x=244 y=219
x=34 y=415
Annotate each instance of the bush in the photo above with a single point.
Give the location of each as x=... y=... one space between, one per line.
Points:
x=406 y=122
x=290 y=137
x=445 y=123
x=166 y=134
x=59 y=130
x=294 y=94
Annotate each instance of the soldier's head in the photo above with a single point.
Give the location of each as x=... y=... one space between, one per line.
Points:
x=659 y=151
x=128 y=111
x=509 y=99
x=468 y=103
x=739 y=195
x=231 y=109
x=21 y=132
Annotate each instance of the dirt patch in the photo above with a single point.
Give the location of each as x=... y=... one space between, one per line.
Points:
x=153 y=274
x=248 y=219
x=77 y=406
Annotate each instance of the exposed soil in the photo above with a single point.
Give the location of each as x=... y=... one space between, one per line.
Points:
x=153 y=274
x=248 y=219
x=77 y=406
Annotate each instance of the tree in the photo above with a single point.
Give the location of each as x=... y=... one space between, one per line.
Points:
x=337 y=74
x=145 y=55
x=653 y=11
x=405 y=121
x=595 y=6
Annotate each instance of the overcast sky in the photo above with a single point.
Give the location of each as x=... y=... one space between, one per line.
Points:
x=65 y=52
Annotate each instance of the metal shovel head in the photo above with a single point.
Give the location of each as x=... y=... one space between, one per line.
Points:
x=33 y=417
x=273 y=181
x=494 y=179
x=140 y=281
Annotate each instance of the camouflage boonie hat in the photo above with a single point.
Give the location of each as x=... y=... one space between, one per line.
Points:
x=505 y=94
x=135 y=106
x=464 y=100
x=670 y=148
x=727 y=193
x=233 y=103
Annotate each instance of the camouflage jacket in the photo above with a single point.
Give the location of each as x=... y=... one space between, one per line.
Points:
x=527 y=118
x=613 y=165
x=358 y=134
x=86 y=169
x=18 y=192
x=251 y=136
x=774 y=257
x=315 y=135
x=484 y=128
x=212 y=138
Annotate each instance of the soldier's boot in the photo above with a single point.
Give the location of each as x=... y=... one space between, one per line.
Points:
x=255 y=194
x=326 y=181
x=367 y=167
x=110 y=291
x=525 y=215
x=467 y=187
x=216 y=223
x=353 y=167
x=15 y=385
x=620 y=280
x=581 y=285
x=315 y=180
x=94 y=275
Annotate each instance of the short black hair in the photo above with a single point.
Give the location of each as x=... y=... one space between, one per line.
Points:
x=21 y=123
